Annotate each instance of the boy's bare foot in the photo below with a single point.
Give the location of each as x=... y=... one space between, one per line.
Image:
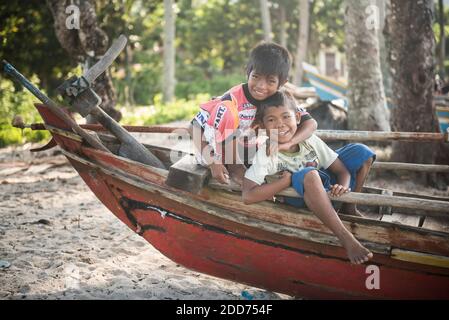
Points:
x=236 y=172
x=357 y=253
x=350 y=209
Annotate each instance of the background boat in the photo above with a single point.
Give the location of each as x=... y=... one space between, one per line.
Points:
x=328 y=89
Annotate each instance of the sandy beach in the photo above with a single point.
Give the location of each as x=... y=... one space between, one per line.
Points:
x=58 y=241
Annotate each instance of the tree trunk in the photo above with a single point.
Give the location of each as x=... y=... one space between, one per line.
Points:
x=442 y=52
x=412 y=68
x=266 y=21
x=283 y=25
x=80 y=35
x=384 y=48
x=303 y=40
x=169 y=52
x=366 y=97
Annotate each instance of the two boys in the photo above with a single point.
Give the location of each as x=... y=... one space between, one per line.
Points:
x=225 y=122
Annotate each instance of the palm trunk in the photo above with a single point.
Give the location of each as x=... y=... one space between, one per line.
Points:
x=169 y=52
x=303 y=40
x=367 y=103
x=442 y=53
x=411 y=61
x=266 y=21
x=283 y=25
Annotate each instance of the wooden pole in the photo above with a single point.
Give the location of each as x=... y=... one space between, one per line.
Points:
x=432 y=207
x=410 y=167
x=380 y=135
x=328 y=135
x=93 y=141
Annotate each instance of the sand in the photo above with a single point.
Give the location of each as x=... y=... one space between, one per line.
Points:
x=58 y=241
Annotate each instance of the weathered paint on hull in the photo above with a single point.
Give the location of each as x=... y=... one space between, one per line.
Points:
x=242 y=254
x=226 y=249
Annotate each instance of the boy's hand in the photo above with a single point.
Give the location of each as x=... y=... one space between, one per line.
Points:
x=219 y=172
x=287 y=177
x=273 y=148
x=338 y=190
x=284 y=146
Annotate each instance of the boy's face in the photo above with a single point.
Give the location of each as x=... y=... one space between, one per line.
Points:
x=262 y=86
x=280 y=123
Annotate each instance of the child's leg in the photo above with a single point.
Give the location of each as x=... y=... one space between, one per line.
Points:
x=318 y=201
x=242 y=156
x=362 y=174
x=358 y=159
x=236 y=172
x=233 y=163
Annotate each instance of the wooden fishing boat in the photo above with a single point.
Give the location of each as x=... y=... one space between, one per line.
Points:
x=329 y=89
x=267 y=245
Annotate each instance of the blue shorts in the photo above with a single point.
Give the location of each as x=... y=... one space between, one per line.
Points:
x=353 y=156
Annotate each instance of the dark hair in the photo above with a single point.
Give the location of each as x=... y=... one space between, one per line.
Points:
x=269 y=58
x=279 y=99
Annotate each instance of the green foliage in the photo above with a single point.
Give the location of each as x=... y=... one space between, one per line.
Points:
x=191 y=84
x=437 y=31
x=28 y=41
x=17 y=102
x=160 y=113
x=327 y=25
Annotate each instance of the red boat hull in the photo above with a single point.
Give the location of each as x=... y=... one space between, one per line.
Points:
x=201 y=241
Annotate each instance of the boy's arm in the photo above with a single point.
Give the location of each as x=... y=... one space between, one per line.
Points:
x=252 y=192
x=305 y=130
x=343 y=178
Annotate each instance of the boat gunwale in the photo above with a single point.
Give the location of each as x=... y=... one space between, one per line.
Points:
x=350 y=219
x=353 y=219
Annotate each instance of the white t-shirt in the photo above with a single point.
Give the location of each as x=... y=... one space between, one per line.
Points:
x=313 y=152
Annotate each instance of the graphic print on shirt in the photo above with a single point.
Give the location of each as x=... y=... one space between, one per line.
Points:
x=219 y=115
x=296 y=163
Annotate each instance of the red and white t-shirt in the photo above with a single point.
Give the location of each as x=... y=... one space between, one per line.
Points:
x=230 y=115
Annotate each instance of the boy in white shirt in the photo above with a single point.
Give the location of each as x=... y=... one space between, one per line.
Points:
x=310 y=167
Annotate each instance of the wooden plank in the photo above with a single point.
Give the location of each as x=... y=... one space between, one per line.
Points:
x=396 y=235
x=188 y=175
x=434 y=207
x=331 y=135
x=437 y=224
x=386 y=209
x=376 y=190
x=419 y=257
x=371 y=215
x=402 y=219
x=378 y=165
